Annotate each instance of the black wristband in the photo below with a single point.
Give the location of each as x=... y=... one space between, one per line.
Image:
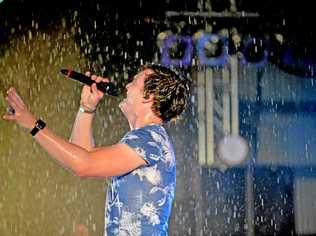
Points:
x=38 y=126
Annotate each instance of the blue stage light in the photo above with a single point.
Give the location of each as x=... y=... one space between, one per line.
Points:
x=177 y=50
x=254 y=52
x=215 y=46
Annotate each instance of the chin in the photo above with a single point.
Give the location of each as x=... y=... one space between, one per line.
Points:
x=123 y=106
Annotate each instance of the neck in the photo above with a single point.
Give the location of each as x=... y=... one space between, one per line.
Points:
x=142 y=120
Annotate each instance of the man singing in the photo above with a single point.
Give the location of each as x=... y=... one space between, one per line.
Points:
x=141 y=165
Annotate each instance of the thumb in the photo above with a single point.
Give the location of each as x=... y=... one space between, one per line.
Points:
x=8 y=117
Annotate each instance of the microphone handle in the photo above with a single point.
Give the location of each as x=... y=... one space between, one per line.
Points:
x=105 y=87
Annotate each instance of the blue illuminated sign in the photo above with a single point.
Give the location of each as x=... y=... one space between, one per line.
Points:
x=169 y=42
x=260 y=62
x=205 y=60
x=212 y=61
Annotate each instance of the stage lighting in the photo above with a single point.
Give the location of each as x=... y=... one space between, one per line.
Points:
x=254 y=52
x=212 y=49
x=1 y=1
x=235 y=42
x=161 y=37
x=279 y=38
x=177 y=50
x=232 y=150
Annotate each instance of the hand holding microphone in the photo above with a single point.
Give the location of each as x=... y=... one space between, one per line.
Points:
x=103 y=85
x=93 y=91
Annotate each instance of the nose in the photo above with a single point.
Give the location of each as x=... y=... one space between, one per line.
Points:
x=128 y=85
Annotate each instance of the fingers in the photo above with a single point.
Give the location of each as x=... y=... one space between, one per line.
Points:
x=14 y=99
x=96 y=78
x=14 y=102
x=99 y=79
x=8 y=117
x=88 y=73
x=105 y=80
x=16 y=96
x=11 y=103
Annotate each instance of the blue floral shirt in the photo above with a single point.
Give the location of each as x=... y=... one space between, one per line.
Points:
x=139 y=202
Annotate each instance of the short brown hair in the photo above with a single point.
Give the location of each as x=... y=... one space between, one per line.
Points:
x=171 y=91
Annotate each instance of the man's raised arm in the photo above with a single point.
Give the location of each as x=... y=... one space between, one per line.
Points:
x=82 y=132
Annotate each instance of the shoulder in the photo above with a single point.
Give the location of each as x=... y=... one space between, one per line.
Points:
x=151 y=132
x=148 y=142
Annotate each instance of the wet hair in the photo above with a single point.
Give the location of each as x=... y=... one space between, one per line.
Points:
x=171 y=91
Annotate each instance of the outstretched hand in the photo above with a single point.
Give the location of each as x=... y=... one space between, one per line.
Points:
x=21 y=115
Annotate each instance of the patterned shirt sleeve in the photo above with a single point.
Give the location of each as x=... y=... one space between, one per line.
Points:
x=146 y=143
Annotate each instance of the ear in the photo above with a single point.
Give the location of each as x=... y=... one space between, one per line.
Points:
x=148 y=99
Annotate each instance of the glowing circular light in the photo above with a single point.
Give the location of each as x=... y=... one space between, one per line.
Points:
x=279 y=38
x=232 y=150
x=254 y=53
x=171 y=42
x=197 y=35
x=236 y=39
x=210 y=40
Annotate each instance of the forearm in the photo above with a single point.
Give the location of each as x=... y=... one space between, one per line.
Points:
x=82 y=134
x=69 y=155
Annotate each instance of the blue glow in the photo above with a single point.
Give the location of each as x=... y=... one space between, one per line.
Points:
x=169 y=42
x=244 y=60
x=212 y=61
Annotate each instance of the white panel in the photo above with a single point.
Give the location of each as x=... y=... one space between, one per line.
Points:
x=201 y=117
x=280 y=86
x=226 y=102
x=234 y=94
x=209 y=117
x=277 y=85
x=305 y=205
x=287 y=139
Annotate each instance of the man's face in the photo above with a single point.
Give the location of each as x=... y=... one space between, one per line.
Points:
x=135 y=93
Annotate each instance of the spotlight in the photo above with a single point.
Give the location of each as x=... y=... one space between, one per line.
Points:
x=254 y=52
x=235 y=42
x=232 y=149
x=279 y=38
x=212 y=49
x=177 y=50
x=161 y=37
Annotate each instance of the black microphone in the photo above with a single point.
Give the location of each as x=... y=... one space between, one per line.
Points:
x=105 y=87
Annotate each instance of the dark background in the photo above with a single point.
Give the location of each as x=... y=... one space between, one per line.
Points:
x=123 y=34
x=132 y=26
